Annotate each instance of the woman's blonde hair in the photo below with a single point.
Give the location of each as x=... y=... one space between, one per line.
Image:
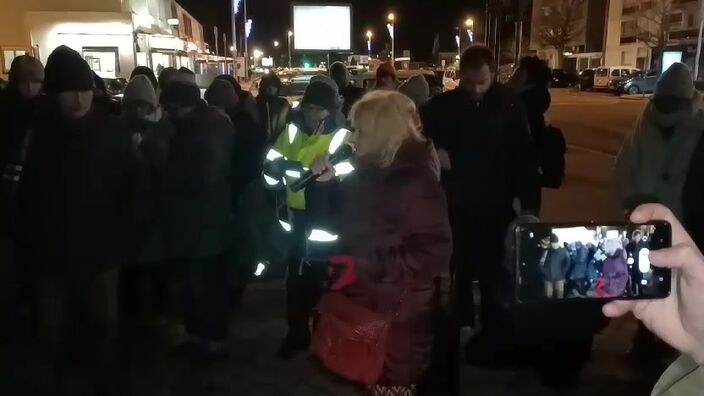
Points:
x=382 y=121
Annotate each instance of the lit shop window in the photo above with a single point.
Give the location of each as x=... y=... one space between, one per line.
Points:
x=8 y=55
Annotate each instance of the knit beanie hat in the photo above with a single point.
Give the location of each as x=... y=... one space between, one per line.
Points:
x=140 y=89
x=417 y=89
x=554 y=238
x=66 y=70
x=26 y=68
x=385 y=69
x=221 y=94
x=270 y=80
x=320 y=94
x=675 y=82
x=326 y=80
x=340 y=74
x=145 y=71
x=180 y=93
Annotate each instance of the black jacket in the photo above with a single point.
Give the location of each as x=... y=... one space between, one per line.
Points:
x=490 y=148
x=351 y=95
x=75 y=194
x=196 y=204
x=15 y=136
x=273 y=115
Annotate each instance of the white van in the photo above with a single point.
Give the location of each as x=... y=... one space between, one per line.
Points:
x=603 y=76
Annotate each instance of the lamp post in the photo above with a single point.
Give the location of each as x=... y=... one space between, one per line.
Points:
x=392 y=20
x=369 y=42
x=290 y=34
x=469 y=24
x=276 y=44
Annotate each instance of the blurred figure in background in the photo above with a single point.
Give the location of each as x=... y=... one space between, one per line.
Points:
x=17 y=107
x=417 y=89
x=273 y=109
x=147 y=72
x=350 y=94
x=386 y=77
x=196 y=216
x=554 y=268
x=247 y=103
x=663 y=160
x=75 y=199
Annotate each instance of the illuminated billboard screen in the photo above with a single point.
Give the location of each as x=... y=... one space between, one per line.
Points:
x=322 y=27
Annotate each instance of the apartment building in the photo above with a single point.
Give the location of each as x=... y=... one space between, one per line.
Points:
x=635 y=28
x=114 y=36
x=585 y=47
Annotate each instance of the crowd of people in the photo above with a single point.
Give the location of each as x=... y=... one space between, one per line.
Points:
x=156 y=207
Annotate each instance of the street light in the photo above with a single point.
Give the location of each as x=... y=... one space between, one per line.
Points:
x=392 y=20
x=290 y=34
x=369 y=42
x=276 y=44
x=469 y=24
x=257 y=54
x=232 y=48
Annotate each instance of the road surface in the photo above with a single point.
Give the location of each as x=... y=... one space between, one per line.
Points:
x=594 y=125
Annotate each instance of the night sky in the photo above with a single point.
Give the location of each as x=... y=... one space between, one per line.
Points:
x=417 y=22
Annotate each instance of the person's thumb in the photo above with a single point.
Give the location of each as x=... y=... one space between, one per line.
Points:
x=684 y=257
x=616 y=309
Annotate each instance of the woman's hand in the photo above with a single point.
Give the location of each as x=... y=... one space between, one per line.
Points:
x=678 y=319
x=323 y=168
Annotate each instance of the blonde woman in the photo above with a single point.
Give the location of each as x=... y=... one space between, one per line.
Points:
x=391 y=216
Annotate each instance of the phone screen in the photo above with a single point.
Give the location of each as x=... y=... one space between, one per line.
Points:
x=588 y=261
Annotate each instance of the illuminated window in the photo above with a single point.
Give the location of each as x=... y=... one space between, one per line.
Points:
x=8 y=55
x=104 y=61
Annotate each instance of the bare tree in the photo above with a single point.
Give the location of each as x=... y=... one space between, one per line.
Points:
x=654 y=23
x=560 y=25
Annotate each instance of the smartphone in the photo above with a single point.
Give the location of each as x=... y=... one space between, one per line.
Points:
x=590 y=261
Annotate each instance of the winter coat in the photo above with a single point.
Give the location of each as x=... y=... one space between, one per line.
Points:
x=273 y=113
x=394 y=222
x=580 y=261
x=557 y=263
x=654 y=168
x=196 y=205
x=75 y=195
x=151 y=150
x=615 y=274
x=683 y=378
x=491 y=153
x=248 y=151
x=536 y=101
x=15 y=136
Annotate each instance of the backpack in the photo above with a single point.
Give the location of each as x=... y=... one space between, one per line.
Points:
x=552 y=151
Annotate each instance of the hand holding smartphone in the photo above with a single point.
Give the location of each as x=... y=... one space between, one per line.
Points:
x=590 y=261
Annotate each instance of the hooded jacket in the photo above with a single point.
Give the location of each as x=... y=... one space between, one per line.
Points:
x=273 y=110
x=417 y=89
x=195 y=209
x=663 y=160
x=349 y=93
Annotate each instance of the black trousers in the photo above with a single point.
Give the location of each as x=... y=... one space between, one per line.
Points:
x=478 y=253
x=304 y=281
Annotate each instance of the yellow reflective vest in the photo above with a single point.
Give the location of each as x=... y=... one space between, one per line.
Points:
x=305 y=149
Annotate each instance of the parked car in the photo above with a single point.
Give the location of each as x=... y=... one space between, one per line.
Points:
x=564 y=79
x=639 y=82
x=586 y=80
x=368 y=80
x=608 y=77
x=296 y=85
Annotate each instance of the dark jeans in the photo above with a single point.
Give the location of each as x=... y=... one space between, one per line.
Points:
x=207 y=298
x=304 y=281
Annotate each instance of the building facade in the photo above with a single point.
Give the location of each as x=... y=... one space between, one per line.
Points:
x=113 y=36
x=585 y=48
x=634 y=28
